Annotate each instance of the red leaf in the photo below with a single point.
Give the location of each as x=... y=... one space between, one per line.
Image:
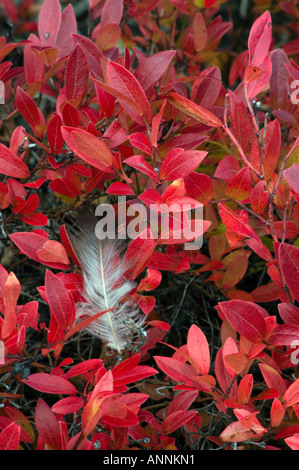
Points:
x=140 y=164
x=61 y=302
x=260 y=38
x=237 y=432
x=112 y=12
x=50 y=384
x=92 y=52
x=29 y=110
x=176 y=420
x=267 y=293
x=279 y=86
x=131 y=106
x=49 y=22
x=120 y=79
x=277 y=413
x=68 y=405
x=11 y=164
x=53 y=252
x=193 y=110
x=27 y=432
x=76 y=74
x=181 y=402
x=199 y=32
x=227 y=168
x=70 y=116
x=288 y=260
x=223 y=377
x=141 y=142
x=291 y=396
x=107 y=37
x=198 y=349
x=267 y=394
x=84 y=367
x=167 y=262
x=179 y=163
x=106 y=102
x=144 y=244
x=88 y=147
x=291 y=176
x=293 y=441
x=28 y=315
x=287 y=431
x=10 y=437
x=259 y=248
x=35 y=184
x=68 y=27
x=47 y=55
x=245 y=318
x=146 y=303
x=30 y=205
x=206 y=89
x=151 y=280
x=35 y=219
x=128 y=371
x=11 y=293
x=152 y=68
x=83 y=323
x=257 y=85
x=245 y=389
x=161 y=325
x=67 y=245
x=156 y=125
x=252 y=74
x=230 y=349
x=284 y=335
x=35 y=245
x=240 y=186
x=177 y=370
x=259 y=197
x=273 y=378
x=271 y=148
x=11 y=10
x=240 y=121
x=120 y=189
x=47 y=425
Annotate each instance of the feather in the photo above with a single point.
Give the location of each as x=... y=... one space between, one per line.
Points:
x=105 y=285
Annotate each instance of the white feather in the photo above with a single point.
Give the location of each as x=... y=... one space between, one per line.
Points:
x=105 y=286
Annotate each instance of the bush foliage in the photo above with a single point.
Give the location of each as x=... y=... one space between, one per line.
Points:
x=164 y=101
